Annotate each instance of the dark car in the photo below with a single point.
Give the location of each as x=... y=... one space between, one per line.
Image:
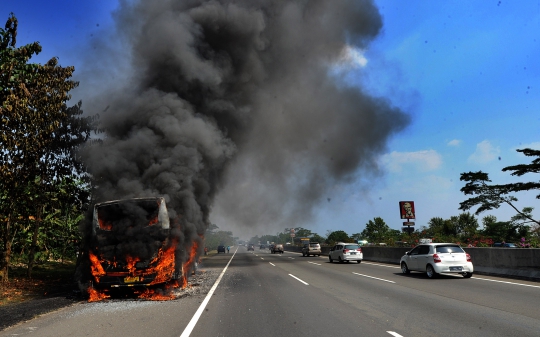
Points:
x=221 y=249
x=251 y=247
x=504 y=245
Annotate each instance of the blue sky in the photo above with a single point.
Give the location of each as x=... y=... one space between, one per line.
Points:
x=466 y=71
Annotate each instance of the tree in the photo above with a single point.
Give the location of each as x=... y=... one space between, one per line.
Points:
x=337 y=236
x=39 y=136
x=317 y=238
x=489 y=197
x=435 y=226
x=467 y=224
x=356 y=236
x=214 y=237
x=376 y=230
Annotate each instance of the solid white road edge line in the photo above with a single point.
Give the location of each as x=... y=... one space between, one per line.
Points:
x=516 y=284
x=291 y=275
x=395 y=334
x=189 y=328
x=381 y=265
x=376 y=278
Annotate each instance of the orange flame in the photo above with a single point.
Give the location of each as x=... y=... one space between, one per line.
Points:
x=96 y=268
x=107 y=226
x=192 y=256
x=131 y=261
x=153 y=295
x=165 y=266
x=153 y=221
x=95 y=295
x=163 y=271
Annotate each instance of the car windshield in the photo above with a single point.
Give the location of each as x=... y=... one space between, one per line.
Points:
x=351 y=247
x=314 y=245
x=449 y=249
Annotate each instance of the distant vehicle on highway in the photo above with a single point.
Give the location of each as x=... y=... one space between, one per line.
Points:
x=221 y=249
x=436 y=258
x=346 y=252
x=504 y=245
x=262 y=246
x=251 y=247
x=277 y=248
x=312 y=248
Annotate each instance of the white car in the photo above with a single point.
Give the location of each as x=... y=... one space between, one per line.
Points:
x=346 y=252
x=436 y=258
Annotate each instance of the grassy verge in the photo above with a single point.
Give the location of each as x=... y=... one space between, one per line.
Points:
x=48 y=279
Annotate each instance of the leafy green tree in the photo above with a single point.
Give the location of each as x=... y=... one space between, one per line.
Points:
x=467 y=224
x=376 y=230
x=214 y=237
x=435 y=226
x=337 y=236
x=488 y=196
x=356 y=236
x=39 y=136
x=303 y=232
x=317 y=238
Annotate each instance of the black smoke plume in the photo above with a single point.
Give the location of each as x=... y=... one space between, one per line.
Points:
x=235 y=100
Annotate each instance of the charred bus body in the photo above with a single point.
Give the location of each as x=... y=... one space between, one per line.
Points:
x=132 y=244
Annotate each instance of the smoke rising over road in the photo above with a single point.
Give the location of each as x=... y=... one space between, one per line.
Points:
x=232 y=105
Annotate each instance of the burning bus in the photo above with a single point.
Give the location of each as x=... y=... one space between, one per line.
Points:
x=131 y=246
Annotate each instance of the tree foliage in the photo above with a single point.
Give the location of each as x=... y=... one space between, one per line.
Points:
x=214 y=237
x=490 y=196
x=39 y=139
x=376 y=230
x=337 y=236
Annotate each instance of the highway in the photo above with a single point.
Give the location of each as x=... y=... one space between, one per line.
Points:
x=263 y=294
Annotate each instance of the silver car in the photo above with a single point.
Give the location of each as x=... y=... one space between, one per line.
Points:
x=436 y=258
x=312 y=248
x=346 y=252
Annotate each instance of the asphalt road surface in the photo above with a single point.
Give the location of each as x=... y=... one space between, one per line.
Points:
x=263 y=294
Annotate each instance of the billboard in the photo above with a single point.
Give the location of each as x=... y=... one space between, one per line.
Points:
x=406 y=210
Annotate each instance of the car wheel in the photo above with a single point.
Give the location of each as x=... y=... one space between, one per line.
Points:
x=430 y=272
x=330 y=258
x=358 y=261
x=404 y=268
x=339 y=259
x=467 y=275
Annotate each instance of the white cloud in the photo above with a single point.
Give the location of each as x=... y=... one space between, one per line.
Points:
x=427 y=160
x=454 y=142
x=351 y=58
x=485 y=152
